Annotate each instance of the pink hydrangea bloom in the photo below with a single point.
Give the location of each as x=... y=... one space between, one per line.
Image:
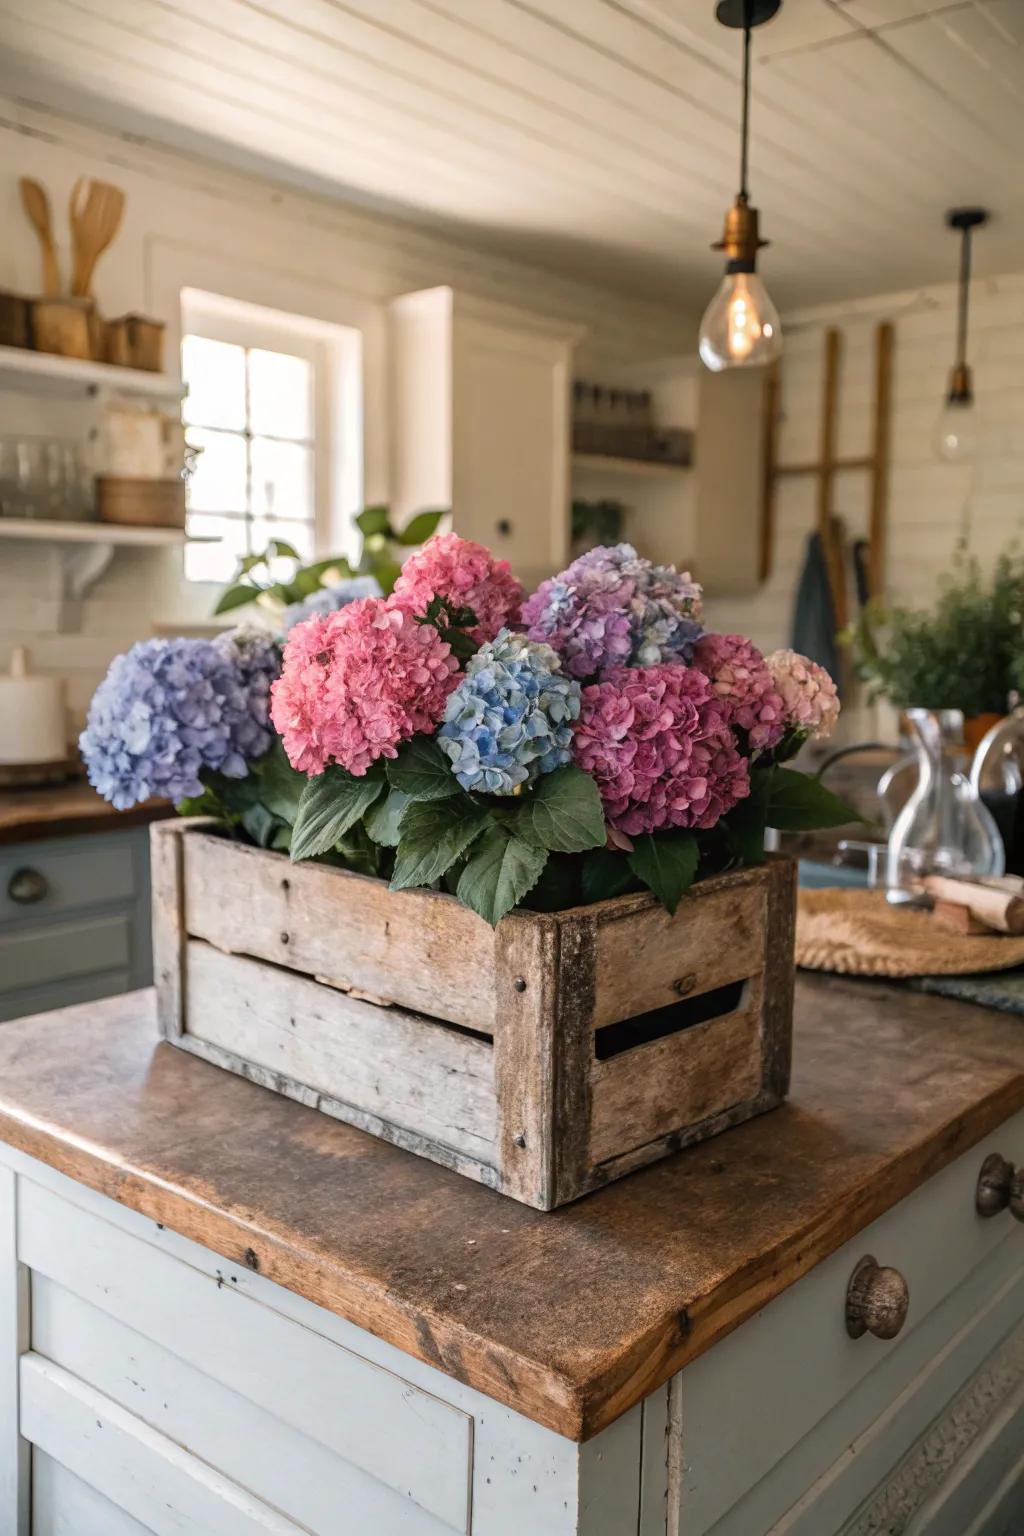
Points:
x=808 y=694
x=657 y=743
x=358 y=682
x=469 y=575
x=744 y=686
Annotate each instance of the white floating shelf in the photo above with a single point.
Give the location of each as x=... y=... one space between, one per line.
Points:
x=603 y=463
x=44 y=373
x=54 y=531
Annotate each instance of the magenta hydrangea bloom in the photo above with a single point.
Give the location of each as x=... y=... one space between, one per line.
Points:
x=612 y=607
x=357 y=683
x=744 y=687
x=656 y=741
x=809 y=695
x=468 y=575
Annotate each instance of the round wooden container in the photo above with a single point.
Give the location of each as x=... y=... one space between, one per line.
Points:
x=141 y=503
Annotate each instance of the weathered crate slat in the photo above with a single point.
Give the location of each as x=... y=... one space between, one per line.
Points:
x=544 y=1059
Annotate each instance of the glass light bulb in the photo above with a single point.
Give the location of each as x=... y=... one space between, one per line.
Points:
x=740 y=328
x=958 y=431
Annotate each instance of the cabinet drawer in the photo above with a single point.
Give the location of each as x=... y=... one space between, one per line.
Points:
x=246 y=1391
x=65 y=875
x=56 y=951
x=761 y=1391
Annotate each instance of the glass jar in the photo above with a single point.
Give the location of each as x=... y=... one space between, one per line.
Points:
x=944 y=828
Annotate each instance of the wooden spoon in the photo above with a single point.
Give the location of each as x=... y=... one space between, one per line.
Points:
x=95 y=212
x=37 y=205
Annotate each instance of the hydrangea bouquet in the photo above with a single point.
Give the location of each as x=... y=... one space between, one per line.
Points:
x=548 y=751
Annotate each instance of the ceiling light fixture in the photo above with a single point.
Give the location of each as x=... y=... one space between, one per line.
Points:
x=740 y=328
x=957 y=430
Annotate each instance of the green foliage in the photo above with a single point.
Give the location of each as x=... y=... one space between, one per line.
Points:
x=432 y=835
x=966 y=653
x=501 y=870
x=383 y=819
x=597 y=522
x=796 y=802
x=254 y=577
x=331 y=805
x=605 y=873
x=452 y=624
x=666 y=862
x=563 y=813
x=422 y=771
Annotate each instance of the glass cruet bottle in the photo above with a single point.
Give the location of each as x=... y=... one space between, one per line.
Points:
x=945 y=828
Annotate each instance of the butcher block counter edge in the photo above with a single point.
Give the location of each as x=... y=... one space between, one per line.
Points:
x=569 y=1317
x=64 y=810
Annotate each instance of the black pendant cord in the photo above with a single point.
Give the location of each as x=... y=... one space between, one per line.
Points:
x=745 y=119
x=962 y=297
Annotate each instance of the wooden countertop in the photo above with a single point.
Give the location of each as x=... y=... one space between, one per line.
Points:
x=64 y=810
x=569 y=1317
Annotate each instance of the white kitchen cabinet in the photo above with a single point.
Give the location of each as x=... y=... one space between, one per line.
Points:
x=480 y=402
x=150 y=1386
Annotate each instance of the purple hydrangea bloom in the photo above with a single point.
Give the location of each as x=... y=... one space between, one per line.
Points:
x=613 y=608
x=169 y=708
x=328 y=600
x=511 y=717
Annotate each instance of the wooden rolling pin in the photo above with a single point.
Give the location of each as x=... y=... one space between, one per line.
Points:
x=999 y=905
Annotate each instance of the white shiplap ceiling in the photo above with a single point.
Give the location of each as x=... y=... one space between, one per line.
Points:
x=594 y=137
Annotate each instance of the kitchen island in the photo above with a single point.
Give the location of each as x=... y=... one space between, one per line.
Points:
x=222 y=1312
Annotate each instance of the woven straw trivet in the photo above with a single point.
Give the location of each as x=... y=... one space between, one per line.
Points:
x=857 y=933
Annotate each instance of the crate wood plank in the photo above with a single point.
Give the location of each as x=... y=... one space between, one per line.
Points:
x=644 y=955
x=569 y=1317
x=416 y=948
x=679 y=1081
x=524 y=1058
x=374 y=1067
x=166 y=864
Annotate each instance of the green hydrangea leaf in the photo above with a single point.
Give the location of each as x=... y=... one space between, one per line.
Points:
x=236 y=597
x=373 y=520
x=422 y=771
x=666 y=862
x=433 y=834
x=419 y=528
x=276 y=784
x=501 y=870
x=260 y=825
x=563 y=813
x=382 y=819
x=606 y=873
x=796 y=802
x=332 y=803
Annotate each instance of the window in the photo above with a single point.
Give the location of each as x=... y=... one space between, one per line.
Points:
x=251 y=413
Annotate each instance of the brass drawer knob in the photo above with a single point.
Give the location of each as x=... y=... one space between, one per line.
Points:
x=876 y=1301
x=1000 y=1188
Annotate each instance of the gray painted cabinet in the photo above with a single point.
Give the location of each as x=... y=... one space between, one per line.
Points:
x=149 y=1387
x=74 y=920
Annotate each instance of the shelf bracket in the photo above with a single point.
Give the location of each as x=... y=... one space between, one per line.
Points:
x=79 y=567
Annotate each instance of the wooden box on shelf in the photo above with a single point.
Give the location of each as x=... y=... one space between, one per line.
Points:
x=544 y=1058
x=140 y=503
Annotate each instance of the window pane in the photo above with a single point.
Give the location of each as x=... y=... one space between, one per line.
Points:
x=219 y=481
x=282 y=479
x=299 y=534
x=215 y=374
x=280 y=394
x=214 y=562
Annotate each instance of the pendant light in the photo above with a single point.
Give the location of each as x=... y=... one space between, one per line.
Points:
x=740 y=328
x=957 y=429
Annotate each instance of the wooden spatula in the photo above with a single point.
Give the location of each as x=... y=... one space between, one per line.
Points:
x=95 y=212
x=37 y=205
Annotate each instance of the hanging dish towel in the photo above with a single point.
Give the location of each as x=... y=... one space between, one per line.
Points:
x=814 y=616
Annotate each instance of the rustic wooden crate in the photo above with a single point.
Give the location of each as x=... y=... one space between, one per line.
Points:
x=544 y=1058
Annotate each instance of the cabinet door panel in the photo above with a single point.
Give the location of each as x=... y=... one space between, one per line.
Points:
x=62 y=1505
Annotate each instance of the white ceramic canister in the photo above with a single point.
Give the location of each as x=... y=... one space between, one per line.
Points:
x=32 y=720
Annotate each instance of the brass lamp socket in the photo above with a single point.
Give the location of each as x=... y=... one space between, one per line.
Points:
x=961 y=386
x=740 y=240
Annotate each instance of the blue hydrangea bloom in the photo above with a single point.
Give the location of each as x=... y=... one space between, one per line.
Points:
x=169 y=708
x=511 y=717
x=329 y=600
